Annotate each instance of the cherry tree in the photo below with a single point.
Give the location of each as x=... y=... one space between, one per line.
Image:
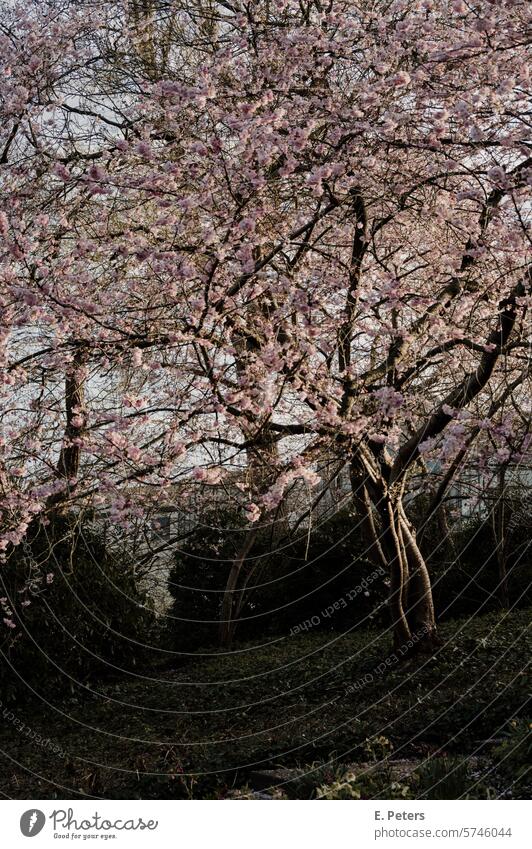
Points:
x=301 y=228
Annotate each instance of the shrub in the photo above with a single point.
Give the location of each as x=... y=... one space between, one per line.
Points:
x=514 y=754
x=323 y=578
x=369 y=783
x=78 y=612
x=197 y=581
x=443 y=778
x=465 y=572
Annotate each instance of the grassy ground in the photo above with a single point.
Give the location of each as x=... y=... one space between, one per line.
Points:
x=321 y=710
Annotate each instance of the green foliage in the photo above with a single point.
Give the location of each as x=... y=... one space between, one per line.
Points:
x=317 y=576
x=373 y=779
x=377 y=748
x=443 y=778
x=198 y=577
x=79 y=613
x=305 y=783
x=348 y=786
x=439 y=778
x=465 y=572
x=365 y=783
x=514 y=754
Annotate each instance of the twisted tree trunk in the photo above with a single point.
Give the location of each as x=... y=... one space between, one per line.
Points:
x=391 y=540
x=411 y=603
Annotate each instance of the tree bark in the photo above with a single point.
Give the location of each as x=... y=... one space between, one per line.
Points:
x=75 y=416
x=395 y=552
x=392 y=543
x=420 y=604
x=227 y=622
x=262 y=458
x=499 y=535
x=411 y=603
